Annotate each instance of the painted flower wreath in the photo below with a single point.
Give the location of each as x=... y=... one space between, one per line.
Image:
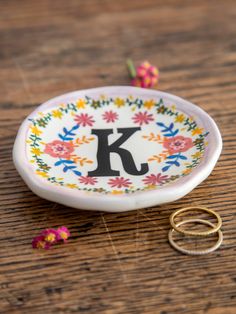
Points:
x=175 y=145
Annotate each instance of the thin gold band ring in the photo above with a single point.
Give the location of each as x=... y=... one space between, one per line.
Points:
x=214 y=229
x=195 y=252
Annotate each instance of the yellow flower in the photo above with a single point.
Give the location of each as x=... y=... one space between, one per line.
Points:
x=36 y=151
x=51 y=237
x=197 y=155
x=150 y=187
x=180 y=118
x=103 y=97
x=187 y=171
x=119 y=102
x=80 y=104
x=116 y=192
x=71 y=185
x=197 y=131
x=57 y=114
x=42 y=174
x=35 y=130
x=149 y=104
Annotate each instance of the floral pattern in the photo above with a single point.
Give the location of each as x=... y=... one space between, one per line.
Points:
x=174 y=145
x=110 y=116
x=178 y=144
x=84 y=119
x=175 y=139
x=155 y=179
x=59 y=149
x=88 y=180
x=142 y=118
x=119 y=182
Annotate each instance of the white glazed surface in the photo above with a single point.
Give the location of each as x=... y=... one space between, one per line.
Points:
x=126 y=201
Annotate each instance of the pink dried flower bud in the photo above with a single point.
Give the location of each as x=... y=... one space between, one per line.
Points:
x=143 y=69
x=137 y=82
x=39 y=243
x=146 y=75
x=63 y=233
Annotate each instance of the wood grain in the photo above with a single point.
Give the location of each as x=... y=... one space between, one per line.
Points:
x=115 y=263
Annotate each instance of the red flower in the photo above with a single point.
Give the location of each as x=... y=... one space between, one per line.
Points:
x=59 y=149
x=84 y=119
x=50 y=236
x=88 y=180
x=63 y=233
x=40 y=243
x=143 y=118
x=119 y=182
x=154 y=179
x=110 y=116
x=178 y=144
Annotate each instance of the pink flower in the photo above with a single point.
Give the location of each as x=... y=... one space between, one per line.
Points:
x=50 y=236
x=142 y=118
x=119 y=182
x=178 y=144
x=59 y=149
x=84 y=119
x=110 y=116
x=154 y=179
x=88 y=180
x=39 y=243
x=63 y=233
x=147 y=75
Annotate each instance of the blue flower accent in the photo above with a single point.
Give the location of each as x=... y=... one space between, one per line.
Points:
x=168 y=130
x=68 y=134
x=173 y=161
x=66 y=163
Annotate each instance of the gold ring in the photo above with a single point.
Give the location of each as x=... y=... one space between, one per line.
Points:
x=196 y=233
x=195 y=252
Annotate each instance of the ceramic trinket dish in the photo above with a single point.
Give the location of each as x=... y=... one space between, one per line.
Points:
x=116 y=148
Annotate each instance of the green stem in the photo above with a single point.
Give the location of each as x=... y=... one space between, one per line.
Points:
x=131 y=68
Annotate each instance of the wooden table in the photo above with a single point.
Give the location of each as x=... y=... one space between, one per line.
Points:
x=115 y=263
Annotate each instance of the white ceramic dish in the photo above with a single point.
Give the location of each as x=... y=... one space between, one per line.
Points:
x=116 y=148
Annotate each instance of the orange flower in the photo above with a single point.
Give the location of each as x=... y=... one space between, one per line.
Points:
x=178 y=144
x=59 y=149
